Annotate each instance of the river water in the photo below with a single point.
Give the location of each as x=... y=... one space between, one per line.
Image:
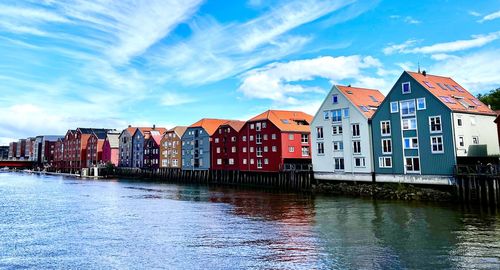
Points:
x=49 y=222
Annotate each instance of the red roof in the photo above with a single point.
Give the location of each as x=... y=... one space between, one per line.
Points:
x=157 y=139
x=451 y=94
x=210 y=125
x=366 y=100
x=286 y=120
x=235 y=124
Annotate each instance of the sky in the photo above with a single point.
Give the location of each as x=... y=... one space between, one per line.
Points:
x=113 y=63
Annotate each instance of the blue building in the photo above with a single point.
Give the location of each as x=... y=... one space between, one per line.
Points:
x=424 y=124
x=196 y=144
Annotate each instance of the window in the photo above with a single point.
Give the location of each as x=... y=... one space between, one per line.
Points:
x=251 y=138
x=266 y=149
x=291 y=149
x=244 y=138
x=244 y=161
x=264 y=124
x=231 y=161
x=411 y=143
x=394 y=107
x=421 y=104
x=216 y=140
x=291 y=136
x=386 y=146
x=475 y=140
x=346 y=112
x=304 y=138
x=385 y=162
x=266 y=161
x=385 y=128
x=335 y=99
x=356 y=146
x=319 y=132
x=461 y=141
x=259 y=151
x=406 y=88
x=252 y=126
x=448 y=99
x=233 y=139
x=359 y=162
x=258 y=126
x=412 y=164
x=435 y=124
x=473 y=120
x=440 y=85
x=408 y=108
x=218 y=150
x=219 y=161
x=429 y=84
x=409 y=124
x=449 y=87
x=321 y=148
x=338 y=146
x=305 y=151
x=336 y=115
x=251 y=149
x=437 y=144
x=374 y=99
x=258 y=138
x=326 y=115
x=339 y=163
x=265 y=137
x=252 y=161
x=273 y=136
x=233 y=149
x=355 y=130
x=259 y=163
x=244 y=150
x=336 y=130
x=274 y=148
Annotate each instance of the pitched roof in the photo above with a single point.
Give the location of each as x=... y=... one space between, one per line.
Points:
x=114 y=139
x=179 y=130
x=209 y=125
x=451 y=94
x=235 y=124
x=146 y=130
x=156 y=138
x=286 y=120
x=366 y=100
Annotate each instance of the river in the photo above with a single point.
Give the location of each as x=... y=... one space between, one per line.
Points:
x=49 y=222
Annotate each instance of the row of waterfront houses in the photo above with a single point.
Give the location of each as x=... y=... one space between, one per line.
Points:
x=417 y=134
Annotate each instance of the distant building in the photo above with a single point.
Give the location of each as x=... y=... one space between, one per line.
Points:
x=141 y=134
x=429 y=122
x=94 y=147
x=44 y=149
x=21 y=153
x=341 y=134
x=75 y=147
x=125 y=156
x=30 y=148
x=196 y=143
x=4 y=152
x=225 y=146
x=276 y=140
x=58 y=162
x=12 y=151
x=171 y=148
x=152 y=152
x=110 y=149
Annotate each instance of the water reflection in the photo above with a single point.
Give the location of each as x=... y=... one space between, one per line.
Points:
x=50 y=222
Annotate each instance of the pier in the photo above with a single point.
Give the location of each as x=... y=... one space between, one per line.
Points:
x=478 y=184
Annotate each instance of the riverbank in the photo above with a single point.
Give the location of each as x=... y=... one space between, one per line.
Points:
x=406 y=192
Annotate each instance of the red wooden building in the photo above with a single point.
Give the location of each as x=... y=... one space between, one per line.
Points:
x=75 y=147
x=58 y=162
x=224 y=146
x=275 y=141
x=152 y=152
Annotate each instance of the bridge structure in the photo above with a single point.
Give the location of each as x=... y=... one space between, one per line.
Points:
x=16 y=164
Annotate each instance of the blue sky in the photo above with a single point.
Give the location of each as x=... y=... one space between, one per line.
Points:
x=77 y=63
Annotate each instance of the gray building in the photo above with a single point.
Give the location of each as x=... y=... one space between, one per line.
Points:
x=4 y=152
x=196 y=144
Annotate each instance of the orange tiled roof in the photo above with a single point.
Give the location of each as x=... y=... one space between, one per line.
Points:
x=179 y=130
x=210 y=125
x=286 y=120
x=451 y=94
x=235 y=124
x=367 y=100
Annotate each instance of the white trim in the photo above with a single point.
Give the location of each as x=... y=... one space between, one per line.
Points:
x=442 y=145
x=401 y=107
x=419 y=165
x=411 y=139
x=403 y=88
x=440 y=124
x=381 y=128
x=397 y=106
x=425 y=104
x=409 y=123
x=362 y=160
x=382 y=141
x=382 y=164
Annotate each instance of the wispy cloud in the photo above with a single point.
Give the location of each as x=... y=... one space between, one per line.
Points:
x=171 y=99
x=216 y=51
x=446 y=47
x=491 y=16
x=283 y=82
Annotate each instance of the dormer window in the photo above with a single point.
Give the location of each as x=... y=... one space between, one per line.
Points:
x=406 y=88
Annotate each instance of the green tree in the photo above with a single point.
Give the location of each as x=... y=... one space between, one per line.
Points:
x=492 y=98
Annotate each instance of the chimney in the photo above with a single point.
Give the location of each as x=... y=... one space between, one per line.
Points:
x=424 y=73
x=129 y=125
x=154 y=126
x=349 y=85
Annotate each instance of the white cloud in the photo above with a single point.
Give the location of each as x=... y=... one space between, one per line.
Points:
x=492 y=16
x=174 y=99
x=474 y=13
x=407 y=19
x=476 y=72
x=442 y=56
x=216 y=51
x=453 y=46
x=281 y=81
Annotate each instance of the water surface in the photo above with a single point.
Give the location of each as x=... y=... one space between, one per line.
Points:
x=55 y=222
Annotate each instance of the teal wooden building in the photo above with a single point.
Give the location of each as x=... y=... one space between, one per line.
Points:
x=424 y=124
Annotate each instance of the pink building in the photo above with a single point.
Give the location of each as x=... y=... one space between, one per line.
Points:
x=110 y=149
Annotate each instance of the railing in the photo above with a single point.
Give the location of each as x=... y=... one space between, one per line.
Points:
x=297 y=167
x=479 y=169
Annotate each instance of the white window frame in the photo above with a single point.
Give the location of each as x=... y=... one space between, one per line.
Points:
x=411 y=143
x=409 y=120
x=353 y=130
x=403 y=88
x=382 y=127
x=383 y=144
x=354 y=148
x=339 y=145
x=409 y=101
x=442 y=144
x=362 y=162
x=319 y=131
x=413 y=164
x=337 y=130
x=440 y=124
x=396 y=110
x=477 y=139
x=424 y=102
x=382 y=162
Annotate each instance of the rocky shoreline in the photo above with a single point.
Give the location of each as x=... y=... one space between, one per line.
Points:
x=404 y=192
